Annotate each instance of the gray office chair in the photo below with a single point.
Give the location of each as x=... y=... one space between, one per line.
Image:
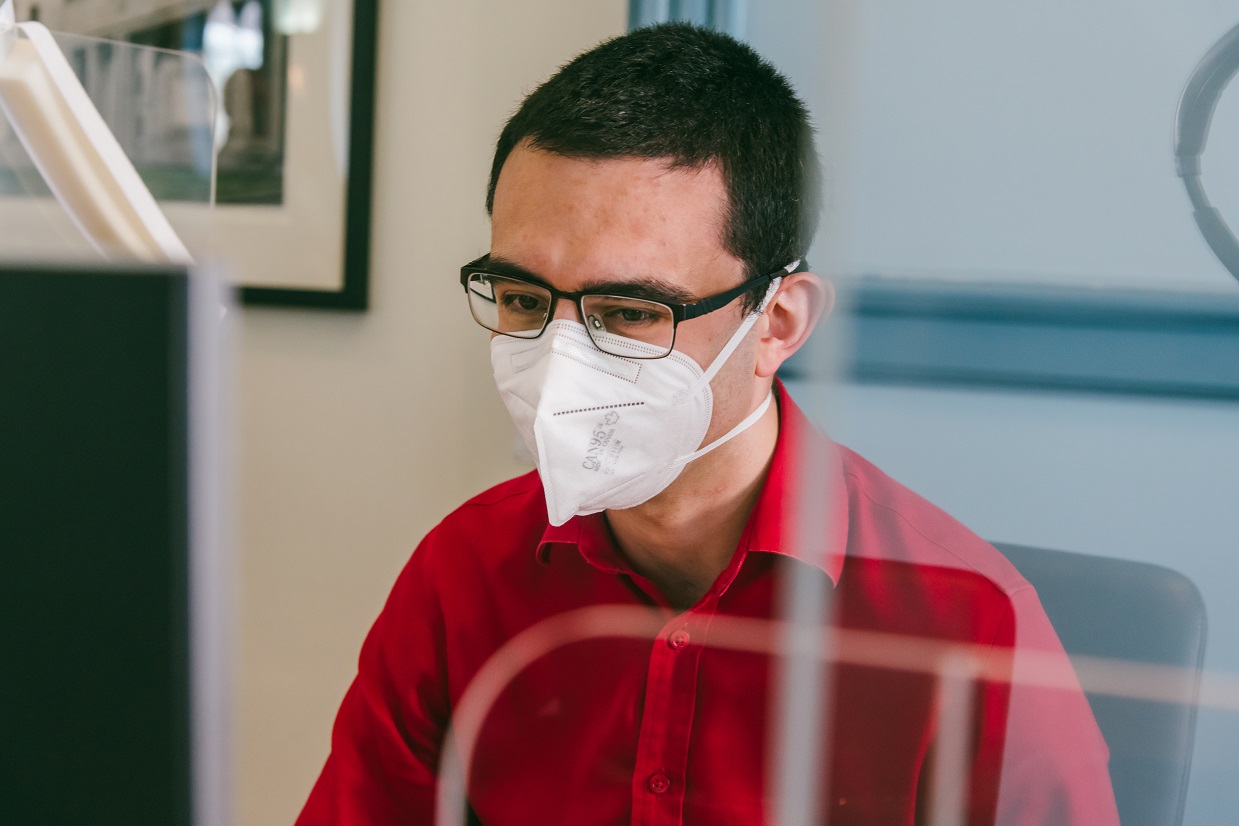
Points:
x=1135 y=612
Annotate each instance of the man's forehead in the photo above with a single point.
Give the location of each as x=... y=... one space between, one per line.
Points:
x=615 y=220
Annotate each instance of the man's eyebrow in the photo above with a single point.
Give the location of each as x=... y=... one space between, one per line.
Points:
x=502 y=266
x=649 y=288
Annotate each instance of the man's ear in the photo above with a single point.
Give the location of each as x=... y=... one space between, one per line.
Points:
x=789 y=318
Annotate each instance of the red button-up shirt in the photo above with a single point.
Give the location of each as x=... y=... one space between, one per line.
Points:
x=674 y=723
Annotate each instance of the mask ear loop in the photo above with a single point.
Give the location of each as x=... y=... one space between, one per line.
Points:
x=719 y=361
x=733 y=342
x=744 y=425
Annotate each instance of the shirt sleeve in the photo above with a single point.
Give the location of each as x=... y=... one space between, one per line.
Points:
x=1055 y=761
x=386 y=740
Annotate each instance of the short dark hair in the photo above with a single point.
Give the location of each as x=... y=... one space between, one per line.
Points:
x=695 y=97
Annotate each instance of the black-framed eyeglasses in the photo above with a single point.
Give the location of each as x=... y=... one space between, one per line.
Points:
x=617 y=324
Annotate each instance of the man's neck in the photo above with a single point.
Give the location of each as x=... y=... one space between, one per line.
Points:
x=682 y=539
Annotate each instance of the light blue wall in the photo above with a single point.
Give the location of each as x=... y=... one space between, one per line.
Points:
x=1013 y=140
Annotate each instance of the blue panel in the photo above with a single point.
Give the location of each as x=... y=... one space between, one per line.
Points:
x=1148 y=343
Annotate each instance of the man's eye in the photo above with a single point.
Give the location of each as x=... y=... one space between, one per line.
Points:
x=523 y=303
x=632 y=316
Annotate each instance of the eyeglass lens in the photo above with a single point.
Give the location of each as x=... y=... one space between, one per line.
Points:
x=623 y=326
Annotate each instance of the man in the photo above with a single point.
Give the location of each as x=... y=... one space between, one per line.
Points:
x=651 y=208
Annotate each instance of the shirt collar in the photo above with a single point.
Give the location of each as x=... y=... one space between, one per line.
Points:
x=800 y=513
x=592 y=537
x=802 y=510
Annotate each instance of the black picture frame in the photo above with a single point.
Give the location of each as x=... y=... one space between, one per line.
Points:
x=354 y=291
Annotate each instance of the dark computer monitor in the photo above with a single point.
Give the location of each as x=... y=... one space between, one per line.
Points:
x=94 y=538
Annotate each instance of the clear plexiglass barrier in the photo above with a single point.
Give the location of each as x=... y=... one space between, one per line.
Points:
x=106 y=148
x=1033 y=335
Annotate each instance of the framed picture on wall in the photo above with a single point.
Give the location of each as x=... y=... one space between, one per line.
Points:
x=294 y=126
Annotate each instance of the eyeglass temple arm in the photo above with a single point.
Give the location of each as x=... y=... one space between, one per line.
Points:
x=714 y=302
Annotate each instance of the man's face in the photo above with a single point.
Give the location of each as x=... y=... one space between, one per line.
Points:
x=610 y=224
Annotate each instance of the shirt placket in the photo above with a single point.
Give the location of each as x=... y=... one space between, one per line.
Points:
x=660 y=779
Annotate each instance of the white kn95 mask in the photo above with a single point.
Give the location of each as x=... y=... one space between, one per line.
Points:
x=609 y=432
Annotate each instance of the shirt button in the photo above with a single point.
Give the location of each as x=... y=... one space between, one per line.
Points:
x=679 y=639
x=659 y=783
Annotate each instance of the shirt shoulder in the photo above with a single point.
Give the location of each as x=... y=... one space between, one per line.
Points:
x=503 y=520
x=889 y=521
x=513 y=493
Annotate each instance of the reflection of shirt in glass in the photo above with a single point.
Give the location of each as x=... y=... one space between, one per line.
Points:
x=675 y=730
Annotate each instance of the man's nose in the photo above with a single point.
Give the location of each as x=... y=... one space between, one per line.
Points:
x=565 y=309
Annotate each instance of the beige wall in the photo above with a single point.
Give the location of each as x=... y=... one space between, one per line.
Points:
x=357 y=433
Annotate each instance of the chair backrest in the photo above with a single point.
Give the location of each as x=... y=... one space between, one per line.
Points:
x=1135 y=612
